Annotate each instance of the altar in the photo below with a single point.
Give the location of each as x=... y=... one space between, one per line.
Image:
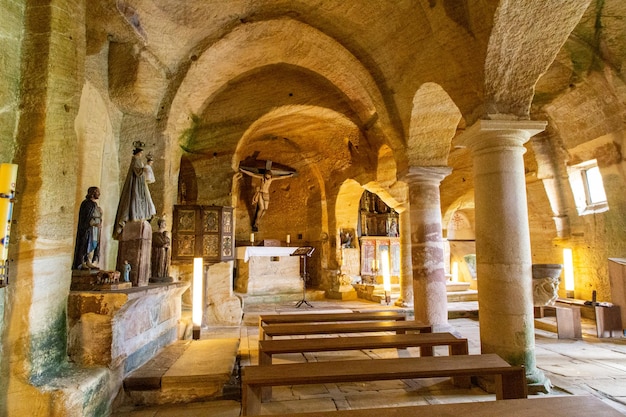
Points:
x=268 y=271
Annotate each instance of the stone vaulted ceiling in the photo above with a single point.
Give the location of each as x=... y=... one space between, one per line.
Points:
x=324 y=84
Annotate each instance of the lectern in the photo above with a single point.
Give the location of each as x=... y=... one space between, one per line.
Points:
x=303 y=252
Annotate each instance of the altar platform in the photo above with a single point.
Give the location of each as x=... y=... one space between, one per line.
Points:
x=266 y=273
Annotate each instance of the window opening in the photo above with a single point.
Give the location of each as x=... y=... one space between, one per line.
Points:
x=588 y=188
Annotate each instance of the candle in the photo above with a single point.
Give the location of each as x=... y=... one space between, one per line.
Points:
x=288 y=238
x=251 y=237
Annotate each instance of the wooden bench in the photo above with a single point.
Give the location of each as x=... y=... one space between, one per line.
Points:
x=510 y=381
x=567 y=320
x=425 y=341
x=553 y=406
x=269 y=331
x=330 y=317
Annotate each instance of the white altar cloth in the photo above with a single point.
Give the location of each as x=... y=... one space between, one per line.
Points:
x=245 y=252
x=268 y=270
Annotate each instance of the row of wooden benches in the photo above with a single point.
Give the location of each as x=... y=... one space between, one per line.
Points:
x=257 y=381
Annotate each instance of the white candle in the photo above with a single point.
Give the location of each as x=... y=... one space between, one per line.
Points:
x=288 y=238
x=251 y=237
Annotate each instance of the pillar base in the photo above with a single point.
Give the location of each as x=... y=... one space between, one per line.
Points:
x=537 y=382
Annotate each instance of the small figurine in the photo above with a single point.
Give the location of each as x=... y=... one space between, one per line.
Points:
x=126 y=271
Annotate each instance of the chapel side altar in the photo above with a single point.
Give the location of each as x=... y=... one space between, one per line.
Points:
x=268 y=271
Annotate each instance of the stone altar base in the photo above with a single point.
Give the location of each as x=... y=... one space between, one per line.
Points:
x=135 y=246
x=122 y=329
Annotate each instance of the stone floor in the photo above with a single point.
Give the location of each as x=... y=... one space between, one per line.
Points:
x=589 y=366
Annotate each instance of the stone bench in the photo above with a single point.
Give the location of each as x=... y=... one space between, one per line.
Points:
x=553 y=406
x=425 y=341
x=269 y=331
x=510 y=381
x=331 y=317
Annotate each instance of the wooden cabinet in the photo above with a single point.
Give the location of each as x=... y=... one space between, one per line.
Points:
x=203 y=231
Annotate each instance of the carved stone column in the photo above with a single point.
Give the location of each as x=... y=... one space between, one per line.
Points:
x=503 y=256
x=427 y=249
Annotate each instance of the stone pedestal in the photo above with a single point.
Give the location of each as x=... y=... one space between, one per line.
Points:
x=341 y=284
x=135 y=246
x=222 y=307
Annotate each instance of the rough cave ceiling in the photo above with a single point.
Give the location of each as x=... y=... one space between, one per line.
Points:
x=328 y=82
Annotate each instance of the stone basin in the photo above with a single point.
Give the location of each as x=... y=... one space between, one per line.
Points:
x=547 y=270
x=546 y=278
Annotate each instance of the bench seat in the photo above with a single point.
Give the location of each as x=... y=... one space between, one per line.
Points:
x=330 y=317
x=269 y=331
x=425 y=341
x=553 y=406
x=510 y=381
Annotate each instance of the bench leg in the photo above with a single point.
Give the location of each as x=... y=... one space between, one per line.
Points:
x=458 y=349
x=462 y=381
x=511 y=385
x=264 y=358
x=250 y=400
x=426 y=351
x=568 y=323
x=266 y=394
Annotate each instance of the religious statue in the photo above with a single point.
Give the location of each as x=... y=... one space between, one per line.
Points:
x=161 y=254
x=148 y=170
x=127 y=269
x=135 y=200
x=346 y=239
x=87 y=250
x=261 y=197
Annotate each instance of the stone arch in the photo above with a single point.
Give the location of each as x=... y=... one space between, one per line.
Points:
x=464 y=203
x=98 y=163
x=434 y=120
x=522 y=45
x=458 y=221
x=264 y=43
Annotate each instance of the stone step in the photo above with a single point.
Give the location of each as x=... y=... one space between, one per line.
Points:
x=185 y=371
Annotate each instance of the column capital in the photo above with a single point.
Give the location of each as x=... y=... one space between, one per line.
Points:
x=485 y=134
x=431 y=174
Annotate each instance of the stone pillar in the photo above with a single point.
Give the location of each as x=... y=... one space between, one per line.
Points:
x=427 y=252
x=406 y=264
x=503 y=256
x=136 y=247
